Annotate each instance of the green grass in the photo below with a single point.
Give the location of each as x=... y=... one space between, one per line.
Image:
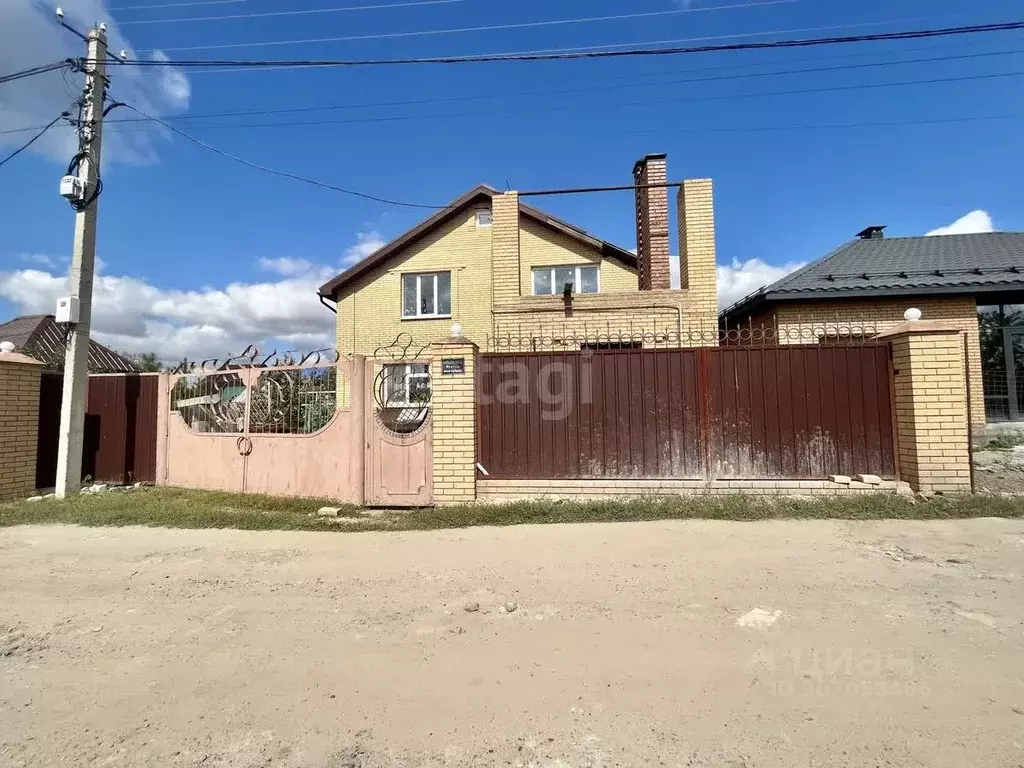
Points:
x=179 y=508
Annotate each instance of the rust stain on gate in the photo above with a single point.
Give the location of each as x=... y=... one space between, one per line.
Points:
x=795 y=412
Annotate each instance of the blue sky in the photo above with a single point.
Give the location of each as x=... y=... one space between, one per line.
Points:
x=200 y=254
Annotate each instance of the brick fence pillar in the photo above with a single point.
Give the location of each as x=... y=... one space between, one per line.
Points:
x=932 y=425
x=19 y=423
x=453 y=387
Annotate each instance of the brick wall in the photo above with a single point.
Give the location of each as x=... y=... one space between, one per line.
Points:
x=930 y=392
x=19 y=424
x=877 y=315
x=492 y=283
x=652 y=223
x=454 y=424
x=695 y=211
x=505 y=248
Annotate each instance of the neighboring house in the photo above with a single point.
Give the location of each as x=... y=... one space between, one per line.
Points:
x=42 y=338
x=867 y=284
x=500 y=268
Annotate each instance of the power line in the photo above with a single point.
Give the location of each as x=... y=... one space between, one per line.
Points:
x=610 y=46
x=42 y=69
x=485 y=28
x=589 y=89
x=35 y=138
x=603 y=107
x=120 y=8
x=731 y=47
x=302 y=12
x=580 y=89
x=274 y=171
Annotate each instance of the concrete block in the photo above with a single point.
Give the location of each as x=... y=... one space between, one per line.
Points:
x=869 y=479
x=840 y=479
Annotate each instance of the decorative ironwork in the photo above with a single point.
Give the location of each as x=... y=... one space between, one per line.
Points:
x=575 y=339
x=252 y=357
x=253 y=392
x=401 y=388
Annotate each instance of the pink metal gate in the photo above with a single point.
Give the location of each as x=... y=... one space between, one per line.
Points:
x=308 y=430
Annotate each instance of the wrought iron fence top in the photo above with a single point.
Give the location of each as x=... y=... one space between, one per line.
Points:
x=574 y=339
x=251 y=357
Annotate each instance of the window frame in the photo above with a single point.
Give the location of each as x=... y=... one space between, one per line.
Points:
x=419 y=294
x=577 y=279
x=408 y=374
x=483 y=212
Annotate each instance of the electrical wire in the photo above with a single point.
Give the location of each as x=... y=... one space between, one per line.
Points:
x=731 y=47
x=43 y=69
x=485 y=28
x=302 y=12
x=276 y=172
x=579 y=89
x=611 y=46
x=35 y=138
x=118 y=9
x=588 y=89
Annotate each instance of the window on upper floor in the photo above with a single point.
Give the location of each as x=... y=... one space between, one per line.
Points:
x=550 y=281
x=484 y=218
x=427 y=294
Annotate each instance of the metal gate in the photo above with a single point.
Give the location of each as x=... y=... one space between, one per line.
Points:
x=794 y=412
x=307 y=429
x=119 y=444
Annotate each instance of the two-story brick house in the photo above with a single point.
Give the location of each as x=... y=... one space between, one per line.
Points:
x=516 y=277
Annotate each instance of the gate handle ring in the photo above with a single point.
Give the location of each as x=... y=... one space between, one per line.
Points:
x=244 y=445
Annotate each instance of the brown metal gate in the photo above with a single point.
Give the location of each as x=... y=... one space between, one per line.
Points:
x=795 y=412
x=120 y=428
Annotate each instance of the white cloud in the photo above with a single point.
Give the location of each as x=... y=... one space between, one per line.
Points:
x=972 y=223
x=366 y=243
x=738 y=279
x=287 y=266
x=35 y=38
x=174 y=86
x=38 y=258
x=133 y=315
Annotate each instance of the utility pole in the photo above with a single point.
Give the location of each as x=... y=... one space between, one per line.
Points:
x=76 y=361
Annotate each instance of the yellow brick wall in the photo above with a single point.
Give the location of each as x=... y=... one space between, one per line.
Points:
x=882 y=314
x=492 y=287
x=370 y=311
x=695 y=211
x=931 y=411
x=543 y=247
x=19 y=424
x=454 y=424
x=505 y=249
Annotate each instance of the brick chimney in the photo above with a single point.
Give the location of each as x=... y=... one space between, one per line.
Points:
x=652 y=223
x=695 y=208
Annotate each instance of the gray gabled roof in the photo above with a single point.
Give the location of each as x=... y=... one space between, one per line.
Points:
x=992 y=261
x=40 y=336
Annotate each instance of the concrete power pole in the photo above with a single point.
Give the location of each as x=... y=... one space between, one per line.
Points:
x=76 y=362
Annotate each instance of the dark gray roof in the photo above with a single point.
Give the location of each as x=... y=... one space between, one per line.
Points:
x=40 y=336
x=992 y=261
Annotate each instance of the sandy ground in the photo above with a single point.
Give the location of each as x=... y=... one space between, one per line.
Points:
x=677 y=644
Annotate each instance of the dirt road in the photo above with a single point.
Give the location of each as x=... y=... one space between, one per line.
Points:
x=646 y=644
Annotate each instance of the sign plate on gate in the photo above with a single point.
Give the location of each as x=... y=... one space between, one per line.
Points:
x=450 y=366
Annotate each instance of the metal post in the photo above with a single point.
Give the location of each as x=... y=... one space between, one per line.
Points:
x=76 y=362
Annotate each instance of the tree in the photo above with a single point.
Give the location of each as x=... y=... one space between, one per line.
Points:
x=146 y=361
